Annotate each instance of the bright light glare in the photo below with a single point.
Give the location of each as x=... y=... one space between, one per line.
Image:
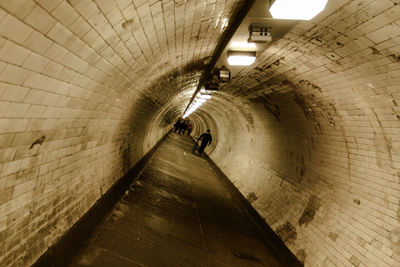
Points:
x=197 y=104
x=199 y=100
x=241 y=60
x=192 y=108
x=205 y=97
x=295 y=9
x=242 y=45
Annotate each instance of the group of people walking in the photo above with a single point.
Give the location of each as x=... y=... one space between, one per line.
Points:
x=185 y=125
x=181 y=126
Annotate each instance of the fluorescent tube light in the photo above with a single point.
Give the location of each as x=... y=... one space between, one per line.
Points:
x=205 y=96
x=241 y=58
x=295 y=9
x=197 y=104
x=242 y=45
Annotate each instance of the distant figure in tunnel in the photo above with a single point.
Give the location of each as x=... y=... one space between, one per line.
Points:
x=183 y=127
x=189 y=128
x=205 y=139
x=177 y=125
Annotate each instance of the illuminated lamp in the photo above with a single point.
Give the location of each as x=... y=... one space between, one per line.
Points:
x=295 y=9
x=200 y=100
x=241 y=58
x=196 y=105
x=243 y=46
x=205 y=96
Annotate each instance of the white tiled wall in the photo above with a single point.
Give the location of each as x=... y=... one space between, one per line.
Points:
x=91 y=77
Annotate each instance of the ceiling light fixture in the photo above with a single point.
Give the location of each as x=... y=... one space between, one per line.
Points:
x=295 y=9
x=200 y=100
x=241 y=58
x=193 y=107
x=205 y=96
x=242 y=45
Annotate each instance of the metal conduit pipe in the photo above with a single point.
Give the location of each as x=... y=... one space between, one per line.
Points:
x=234 y=22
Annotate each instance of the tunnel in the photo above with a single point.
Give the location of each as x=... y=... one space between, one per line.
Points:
x=309 y=134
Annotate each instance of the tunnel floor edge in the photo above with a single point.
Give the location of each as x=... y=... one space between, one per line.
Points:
x=62 y=252
x=178 y=212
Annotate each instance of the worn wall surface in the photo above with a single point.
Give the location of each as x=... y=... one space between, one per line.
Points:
x=87 y=87
x=309 y=133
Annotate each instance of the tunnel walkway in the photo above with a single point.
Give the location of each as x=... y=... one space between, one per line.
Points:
x=177 y=213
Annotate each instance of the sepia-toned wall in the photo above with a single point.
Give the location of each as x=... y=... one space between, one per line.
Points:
x=309 y=133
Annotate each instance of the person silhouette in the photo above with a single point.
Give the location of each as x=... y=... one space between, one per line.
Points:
x=177 y=126
x=189 y=128
x=205 y=139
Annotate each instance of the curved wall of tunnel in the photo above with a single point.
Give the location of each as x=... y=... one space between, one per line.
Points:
x=309 y=134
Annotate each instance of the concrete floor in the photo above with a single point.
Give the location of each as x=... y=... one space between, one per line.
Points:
x=178 y=213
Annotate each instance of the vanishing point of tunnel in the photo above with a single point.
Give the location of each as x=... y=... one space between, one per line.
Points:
x=304 y=164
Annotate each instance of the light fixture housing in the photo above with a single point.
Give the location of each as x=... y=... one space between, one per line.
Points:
x=224 y=74
x=239 y=46
x=297 y=10
x=241 y=58
x=260 y=34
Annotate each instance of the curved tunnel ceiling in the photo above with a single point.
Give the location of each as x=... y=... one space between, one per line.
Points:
x=309 y=133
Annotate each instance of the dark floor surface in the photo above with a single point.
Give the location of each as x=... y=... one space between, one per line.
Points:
x=177 y=213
